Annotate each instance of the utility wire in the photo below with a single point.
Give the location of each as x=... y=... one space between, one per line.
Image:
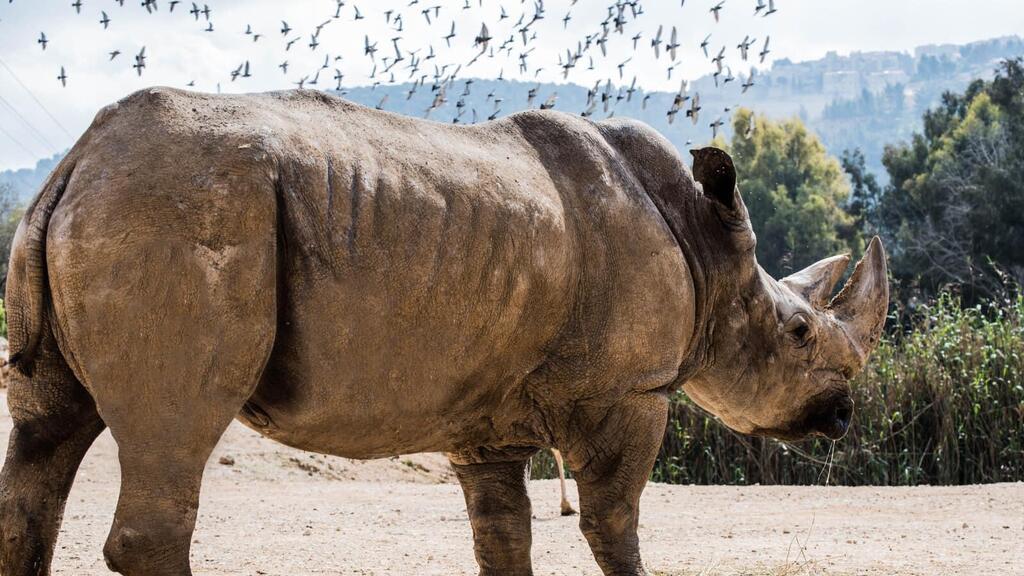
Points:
x=31 y=127
x=19 y=144
x=30 y=93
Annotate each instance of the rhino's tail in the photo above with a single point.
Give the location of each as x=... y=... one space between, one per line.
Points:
x=28 y=292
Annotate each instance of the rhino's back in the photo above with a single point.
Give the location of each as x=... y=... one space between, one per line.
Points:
x=438 y=286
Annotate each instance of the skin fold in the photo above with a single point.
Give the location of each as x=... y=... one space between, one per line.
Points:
x=357 y=283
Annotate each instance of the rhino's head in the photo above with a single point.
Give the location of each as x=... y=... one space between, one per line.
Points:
x=779 y=354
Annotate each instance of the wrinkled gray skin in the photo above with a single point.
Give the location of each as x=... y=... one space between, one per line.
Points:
x=357 y=283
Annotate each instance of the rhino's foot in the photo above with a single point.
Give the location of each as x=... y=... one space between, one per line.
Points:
x=55 y=422
x=154 y=553
x=499 y=510
x=622 y=455
x=156 y=511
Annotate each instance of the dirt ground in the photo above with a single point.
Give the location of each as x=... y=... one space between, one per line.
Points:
x=278 y=511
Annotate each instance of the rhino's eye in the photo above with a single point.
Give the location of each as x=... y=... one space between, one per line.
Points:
x=799 y=331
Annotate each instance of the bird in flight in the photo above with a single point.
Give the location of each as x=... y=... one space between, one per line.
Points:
x=694 y=110
x=749 y=83
x=483 y=38
x=77 y=5
x=656 y=42
x=714 y=128
x=105 y=20
x=42 y=40
x=140 y=61
x=63 y=77
x=716 y=9
x=448 y=37
x=673 y=45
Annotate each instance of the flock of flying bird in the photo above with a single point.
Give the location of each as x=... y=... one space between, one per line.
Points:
x=390 y=58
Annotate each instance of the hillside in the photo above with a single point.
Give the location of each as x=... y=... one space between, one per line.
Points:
x=862 y=100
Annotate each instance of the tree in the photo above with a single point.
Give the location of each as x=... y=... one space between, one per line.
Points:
x=954 y=210
x=865 y=193
x=795 y=193
x=10 y=215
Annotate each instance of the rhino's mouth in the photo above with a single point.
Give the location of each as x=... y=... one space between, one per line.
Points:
x=827 y=414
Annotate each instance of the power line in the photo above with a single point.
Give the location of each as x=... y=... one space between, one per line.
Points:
x=30 y=93
x=31 y=127
x=19 y=144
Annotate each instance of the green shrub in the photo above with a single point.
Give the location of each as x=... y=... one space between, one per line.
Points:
x=942 y=403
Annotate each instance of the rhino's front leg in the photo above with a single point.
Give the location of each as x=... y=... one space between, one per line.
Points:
x=615 y=462
x=499 y=509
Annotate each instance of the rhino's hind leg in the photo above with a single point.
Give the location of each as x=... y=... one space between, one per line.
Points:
x=166 y=418
x=499 y=511
x=165 y=433
x=163 y=280
x=55 y=422
x=618 y=460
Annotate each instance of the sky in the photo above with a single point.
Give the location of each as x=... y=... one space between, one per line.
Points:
x=39 y=116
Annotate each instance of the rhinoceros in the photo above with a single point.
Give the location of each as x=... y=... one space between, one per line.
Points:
x=359 y=283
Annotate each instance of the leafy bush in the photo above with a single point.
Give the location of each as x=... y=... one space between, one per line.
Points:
x=942 y=403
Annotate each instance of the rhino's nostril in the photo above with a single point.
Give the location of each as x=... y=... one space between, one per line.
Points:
x=843 y=413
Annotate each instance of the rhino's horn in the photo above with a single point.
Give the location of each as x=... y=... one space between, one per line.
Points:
x=862 y=304
x=815 y=282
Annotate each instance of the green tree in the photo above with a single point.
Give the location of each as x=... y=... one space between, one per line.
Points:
x=865 y=192
x=795 y=193
x=954 y=210
x=10 y=215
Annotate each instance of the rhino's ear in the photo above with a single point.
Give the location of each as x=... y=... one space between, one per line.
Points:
x=714 y=169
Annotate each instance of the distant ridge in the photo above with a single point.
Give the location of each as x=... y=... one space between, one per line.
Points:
x=861 y=100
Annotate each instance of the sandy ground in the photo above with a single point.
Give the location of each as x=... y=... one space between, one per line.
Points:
x=278 y=511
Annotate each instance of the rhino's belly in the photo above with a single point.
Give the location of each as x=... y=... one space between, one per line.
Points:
x=420 y=339
x=366 y=380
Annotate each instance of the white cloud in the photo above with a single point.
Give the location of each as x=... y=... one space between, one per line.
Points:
x=178 y=51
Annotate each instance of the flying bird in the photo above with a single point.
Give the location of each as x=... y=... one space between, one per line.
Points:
x=63 y=77
x=140 y=61
x=483 y=38
x=673 y=44
x=694 y=110
x=448 y=37
x=716 y=9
